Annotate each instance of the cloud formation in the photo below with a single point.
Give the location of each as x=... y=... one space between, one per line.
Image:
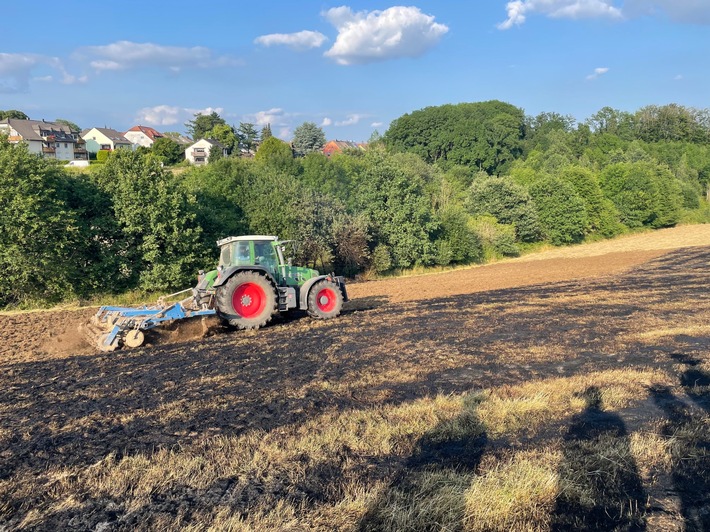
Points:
x=123 y=55
x=302 y=40
x=598 y=72
x=168 y=115
x=351 y=120
x=573 y=9
x=16 y=71
x=366 y=37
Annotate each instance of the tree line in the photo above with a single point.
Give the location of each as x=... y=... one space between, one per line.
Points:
x=454 y=184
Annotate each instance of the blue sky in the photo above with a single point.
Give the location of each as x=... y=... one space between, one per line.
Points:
x=349 y=67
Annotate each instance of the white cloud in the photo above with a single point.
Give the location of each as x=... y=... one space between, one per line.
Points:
x=16 y=71
x=351 y=120
x=285 y=133
x=366 y=37
x=573 y=9
x=160 y=115
x=274 y=117
x=326 y=122
x=302 y=40
x=123 y=55
x=598 y=72
x=377 y=124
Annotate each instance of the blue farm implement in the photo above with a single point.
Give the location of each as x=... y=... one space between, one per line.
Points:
x=112 y=327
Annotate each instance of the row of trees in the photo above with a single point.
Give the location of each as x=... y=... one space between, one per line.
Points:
x=131 y=223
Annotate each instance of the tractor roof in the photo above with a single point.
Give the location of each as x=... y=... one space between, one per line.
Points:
x=231 y=239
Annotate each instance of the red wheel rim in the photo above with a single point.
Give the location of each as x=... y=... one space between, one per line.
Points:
x=249 y=300
x=326 y=299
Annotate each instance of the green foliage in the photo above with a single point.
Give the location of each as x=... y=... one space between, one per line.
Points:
x=485 y=136
x=200 y=126
x=13 y=113
x=562 y=212
x=381 y=259
x=266 y=132
x=320 y=173
x=389 y=190
x=275 y=154
x=68 y=123
x=157 y=219
x=248 y=136
x=102 y=155
x=644 y=193
x=497 y=240
x=457 y=243
x=168 y=151
x=601 y=213
x=216 y=153
x=308 y=138
x=507 y=202
x=38 y=229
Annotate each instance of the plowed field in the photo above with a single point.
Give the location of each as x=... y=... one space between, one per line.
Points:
x=328 y=425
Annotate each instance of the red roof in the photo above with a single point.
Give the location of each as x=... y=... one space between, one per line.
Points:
x=148 y=131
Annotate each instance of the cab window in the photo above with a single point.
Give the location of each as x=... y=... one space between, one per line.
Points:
x=242 y=256
x=265 y=254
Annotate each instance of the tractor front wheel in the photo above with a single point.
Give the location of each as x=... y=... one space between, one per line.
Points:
x=247 y=300
x=325 y=300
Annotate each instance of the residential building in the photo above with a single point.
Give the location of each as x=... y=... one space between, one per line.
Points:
x=47 y=139
x=103 y=138
x=142 y=136
x=199 y=152
x=338 y=146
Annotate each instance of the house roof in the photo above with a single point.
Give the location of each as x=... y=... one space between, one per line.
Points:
x=112 y=134
x=148 y=131
x=211 y=142
x=40 y=129
x=344 y=144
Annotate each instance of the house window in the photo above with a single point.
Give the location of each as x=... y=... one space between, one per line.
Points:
x=66 y=145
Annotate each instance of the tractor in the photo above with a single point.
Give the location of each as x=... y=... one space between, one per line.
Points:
x=252 y=283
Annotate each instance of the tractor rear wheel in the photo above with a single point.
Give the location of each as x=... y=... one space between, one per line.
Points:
x=325 y=300
x=247 y=300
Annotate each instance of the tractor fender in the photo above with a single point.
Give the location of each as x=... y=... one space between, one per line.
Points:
x=306 y=288
x=224 y=275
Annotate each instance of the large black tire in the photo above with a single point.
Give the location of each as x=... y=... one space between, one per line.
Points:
x=247 y=300
x=325 y=300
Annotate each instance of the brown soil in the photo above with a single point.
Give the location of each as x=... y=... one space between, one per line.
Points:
x=65 y=408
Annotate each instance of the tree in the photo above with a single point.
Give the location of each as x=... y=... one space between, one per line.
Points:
x=68 y=123
x=508 y=203
x=199 y=126
x=276 y=154
x=248 y=136
x=157 y=218
x=225 y=135
x=13 y=113
x=561 y=210
x=168 y=151
x=38 y=229
x=308 y=138
x=485 y=136
x=266 y=132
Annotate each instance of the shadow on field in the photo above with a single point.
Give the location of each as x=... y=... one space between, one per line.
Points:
x=691 y=480
x=428 y=493
x=600 y=487
x=73 y=412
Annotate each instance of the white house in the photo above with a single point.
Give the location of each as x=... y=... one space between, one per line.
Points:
x=199 y=152
x=48 y=139
x=103 y=138
x=142 y=136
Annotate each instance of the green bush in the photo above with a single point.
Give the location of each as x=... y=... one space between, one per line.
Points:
x=562 y=212
x=381 y=259
x=601 y=212
x=102 y=156
x=497 y=240
x=509 y=203
x=457 y=243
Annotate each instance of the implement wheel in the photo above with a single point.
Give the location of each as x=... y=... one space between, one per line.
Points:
x=325 y=300
x=247 y=300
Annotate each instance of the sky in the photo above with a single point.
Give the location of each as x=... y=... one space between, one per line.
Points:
x=350 y=68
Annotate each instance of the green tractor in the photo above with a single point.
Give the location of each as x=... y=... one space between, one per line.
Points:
x=253 y=282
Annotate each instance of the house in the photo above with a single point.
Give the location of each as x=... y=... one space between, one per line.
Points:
x=142 y=136
x=47 y=139
x=338 y=146
x=199 y=152
x=103 y=138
